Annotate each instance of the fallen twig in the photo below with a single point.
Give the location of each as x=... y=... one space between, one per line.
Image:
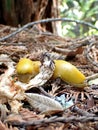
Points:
x=46 y=21
x=54 y=120
x=82 y=112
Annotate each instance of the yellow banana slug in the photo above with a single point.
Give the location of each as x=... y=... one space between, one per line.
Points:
x=63 y=69
x=27 y=68
x=68 y=72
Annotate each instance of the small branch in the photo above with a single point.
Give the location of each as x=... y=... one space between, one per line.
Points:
x=82 y=112
x=91 y=77
x=54 y=120
x=44 y=92
x=46 y=21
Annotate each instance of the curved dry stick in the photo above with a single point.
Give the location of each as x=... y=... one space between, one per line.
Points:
x=46 y=21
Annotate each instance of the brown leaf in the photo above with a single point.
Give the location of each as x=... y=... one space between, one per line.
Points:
x=72 y=54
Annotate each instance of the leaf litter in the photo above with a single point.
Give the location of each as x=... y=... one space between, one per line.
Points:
x=45 y=103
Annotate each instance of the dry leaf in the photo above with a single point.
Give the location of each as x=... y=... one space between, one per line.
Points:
x=43 y=103
x=72 y=54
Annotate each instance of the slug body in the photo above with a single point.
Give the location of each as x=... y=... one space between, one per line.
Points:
x=65 y=70
x=68 y=72
x=27 y=69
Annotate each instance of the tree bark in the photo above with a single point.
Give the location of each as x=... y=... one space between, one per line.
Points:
x=20 y=12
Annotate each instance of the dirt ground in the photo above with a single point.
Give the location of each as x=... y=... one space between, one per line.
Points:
x=32 y=43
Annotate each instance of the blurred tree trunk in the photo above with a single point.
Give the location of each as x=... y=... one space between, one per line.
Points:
x=20 y=12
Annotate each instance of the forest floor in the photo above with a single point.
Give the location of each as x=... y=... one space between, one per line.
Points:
x=79 y=104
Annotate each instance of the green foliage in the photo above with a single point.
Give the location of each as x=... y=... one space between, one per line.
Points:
x=85 y=10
